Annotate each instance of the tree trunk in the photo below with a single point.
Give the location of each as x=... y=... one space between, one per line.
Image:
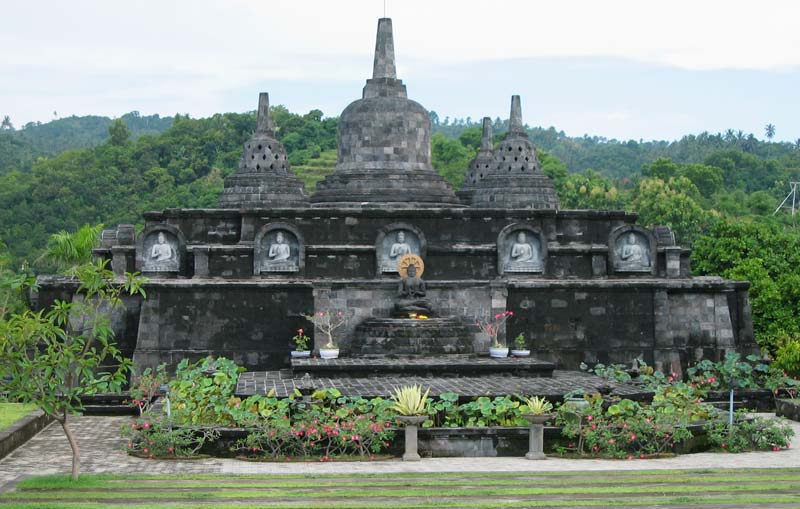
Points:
x=76 y=452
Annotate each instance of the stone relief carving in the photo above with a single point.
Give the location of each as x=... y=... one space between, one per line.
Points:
x=282 y=252
x=633 y=252
x=396 y=244
x=521 y=251
x=161 y=253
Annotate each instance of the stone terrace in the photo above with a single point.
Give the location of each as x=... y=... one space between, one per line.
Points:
x=562 y=382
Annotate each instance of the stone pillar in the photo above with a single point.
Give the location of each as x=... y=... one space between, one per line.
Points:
x=663 y=340
x=126 y=235
x=119 y=260
x=499 y=298
x=200 y=261
x=536 y=443
x=599 y=264
x=673 y=260
x=722 y=322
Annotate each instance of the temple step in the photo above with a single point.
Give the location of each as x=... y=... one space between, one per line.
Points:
x=406 y=336
x=416 y=365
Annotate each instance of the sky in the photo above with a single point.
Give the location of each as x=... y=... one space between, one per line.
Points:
x=619 y=69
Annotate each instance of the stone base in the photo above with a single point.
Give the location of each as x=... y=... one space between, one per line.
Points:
x=407 y=336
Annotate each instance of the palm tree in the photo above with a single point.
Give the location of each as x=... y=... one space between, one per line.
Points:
x=7 y=123
x=67 y=250
x=769 y=130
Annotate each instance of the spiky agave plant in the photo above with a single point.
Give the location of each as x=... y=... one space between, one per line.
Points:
x=409 y=400
x=537 y=405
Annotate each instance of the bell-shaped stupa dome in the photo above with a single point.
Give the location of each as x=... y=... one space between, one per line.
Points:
x=264 y=178
x=515 y=180
x=384 y=145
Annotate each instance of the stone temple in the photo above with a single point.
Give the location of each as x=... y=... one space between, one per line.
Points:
x=584 y=285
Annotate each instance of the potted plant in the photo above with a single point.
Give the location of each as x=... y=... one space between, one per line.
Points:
x=492 y=328
x=410 y=403
x=327 y=322
x=519 y=349
x=538 y=413
x=301 y=345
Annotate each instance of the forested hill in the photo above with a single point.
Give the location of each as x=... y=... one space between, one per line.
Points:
x=120 y=175
x=19 y=148
x=626 y=158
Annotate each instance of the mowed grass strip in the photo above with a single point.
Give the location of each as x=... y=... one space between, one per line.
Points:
x=754 y=488
x=716 y=501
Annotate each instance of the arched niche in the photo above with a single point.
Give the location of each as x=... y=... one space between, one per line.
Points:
x=521 y=249
x=633 y=250
x=395 y=240
x=278 y=248
x=160 y=249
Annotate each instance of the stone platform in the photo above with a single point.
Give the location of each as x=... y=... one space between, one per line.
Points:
x=442 y=366
x=283 y=382
x=408 y=336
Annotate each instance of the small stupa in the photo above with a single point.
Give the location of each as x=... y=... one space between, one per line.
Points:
x=479 y=167
x=515 y=180
x=264 y=178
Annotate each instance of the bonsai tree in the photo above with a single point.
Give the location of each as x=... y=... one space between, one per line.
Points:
x=328 y=321
x=493 y=327
x=54 y=359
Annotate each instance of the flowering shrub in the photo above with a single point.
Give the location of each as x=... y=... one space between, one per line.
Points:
x=301 y=340
x=445 y=411
x=749 y=434
x=493 y=327
x=157 y=438
x=625 y=429
x=330 y=426
x=147 y=386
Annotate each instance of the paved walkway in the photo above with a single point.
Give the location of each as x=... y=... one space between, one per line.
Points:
x=102 y=451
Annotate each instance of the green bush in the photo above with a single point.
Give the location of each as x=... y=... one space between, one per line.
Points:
x=202 y=392
x=748 y=434
x=158 y=438
x=787 y=358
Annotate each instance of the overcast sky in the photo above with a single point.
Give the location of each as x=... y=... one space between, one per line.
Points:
x=619 y=69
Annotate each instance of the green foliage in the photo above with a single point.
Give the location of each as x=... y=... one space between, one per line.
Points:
x=202 y=392
x=301 y=340
x=616 y=372
x=748 y=434
x=590 y=190
x=536 y=405
x=66 y=250
x=765 y=254
x=56 y=358
x=13 y=285
x=787 y=357
x=451 y=158
x=672 y=203
x=118 y=134
x=749 y=373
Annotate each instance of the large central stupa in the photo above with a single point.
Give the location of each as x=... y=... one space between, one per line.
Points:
x=384 y=145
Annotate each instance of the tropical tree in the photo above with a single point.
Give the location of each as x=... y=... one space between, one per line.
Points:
x=118 y=133
x=7 y=123
x=66 y=250
x=769 y=131
x=673 y=203
x=55 y=359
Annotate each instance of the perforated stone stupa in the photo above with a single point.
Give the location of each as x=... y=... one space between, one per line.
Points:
x=514 y=179
x=384 y=145
x=264 y=178
x=479 y=167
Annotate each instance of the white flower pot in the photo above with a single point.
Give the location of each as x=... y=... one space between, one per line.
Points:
x=498 y=353
x=329 y=353
x=300 y=354
x=520 y=353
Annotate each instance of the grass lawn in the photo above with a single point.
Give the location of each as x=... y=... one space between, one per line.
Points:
x=12 y=412
x=674 y=488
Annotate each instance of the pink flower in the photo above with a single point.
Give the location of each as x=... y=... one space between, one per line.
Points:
x=611 y=440
x=712 y=380
x=146 y=425
x=589 y=417
x=633 y=437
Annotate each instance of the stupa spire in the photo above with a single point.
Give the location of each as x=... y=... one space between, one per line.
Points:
x=383 y=66
x=264 y=125
x=487 y=140
x=515 y=125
